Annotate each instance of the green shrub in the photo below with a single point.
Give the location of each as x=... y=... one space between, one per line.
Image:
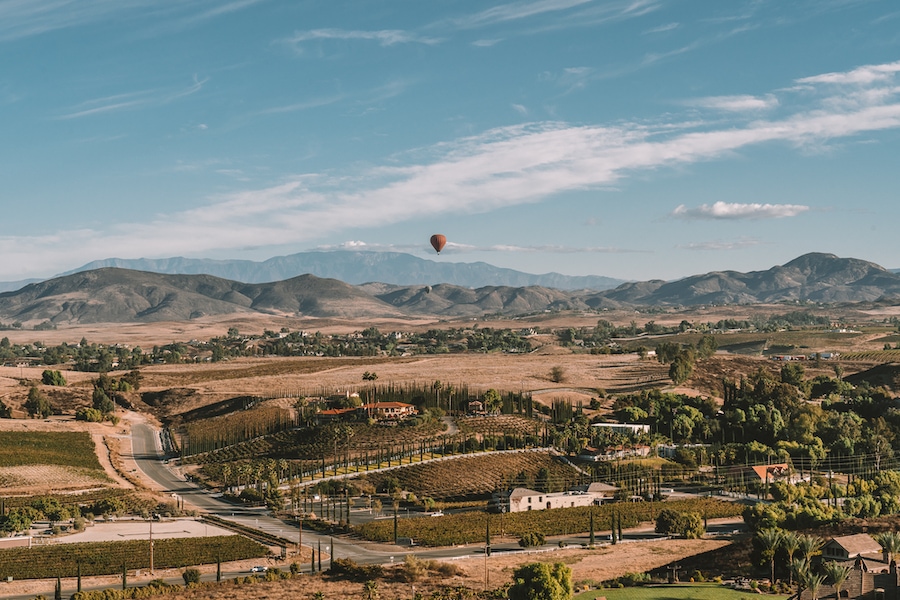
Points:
x=191 y=575
x=532 y=539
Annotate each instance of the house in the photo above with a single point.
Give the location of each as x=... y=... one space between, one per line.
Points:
x=632 y=428
x=615 y=452
x=391 y=411
x=523 y=499
x=334 y=414
x=475 y=407
x=872 y=577
x=846 y=547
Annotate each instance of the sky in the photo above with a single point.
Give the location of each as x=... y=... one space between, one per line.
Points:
x=637 y=139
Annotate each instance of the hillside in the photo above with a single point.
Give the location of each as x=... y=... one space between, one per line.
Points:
x=114 y=295
x=118 y=295
x=357 y=267
x=814 y=277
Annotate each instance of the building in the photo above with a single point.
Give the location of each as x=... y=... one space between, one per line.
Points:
x=391 y=411
x=629 y=428
x=523 y=499
x=850 y=546
x=872 y=575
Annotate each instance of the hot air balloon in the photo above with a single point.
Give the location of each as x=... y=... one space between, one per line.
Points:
x=438 y=241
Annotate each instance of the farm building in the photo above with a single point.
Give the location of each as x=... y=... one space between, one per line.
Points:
x=523 y=499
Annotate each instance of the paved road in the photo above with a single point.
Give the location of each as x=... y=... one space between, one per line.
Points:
x=147 y=454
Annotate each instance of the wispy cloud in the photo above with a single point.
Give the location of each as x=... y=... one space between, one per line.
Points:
x=498 y=168
x=131 y=100
x=717 y=245
x=25 y=18
x=515 y=11
x=733 y=211
x=662 y=28
x=742 y=103
x=519 y=108
x=383 y=37
x=303 y=105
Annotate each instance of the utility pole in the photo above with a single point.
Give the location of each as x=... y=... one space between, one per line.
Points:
x=151 y=544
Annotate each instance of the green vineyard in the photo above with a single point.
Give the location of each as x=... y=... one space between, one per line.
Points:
x=108 y=558
x=469 y=528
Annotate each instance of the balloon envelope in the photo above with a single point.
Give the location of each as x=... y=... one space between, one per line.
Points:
x=438 y=241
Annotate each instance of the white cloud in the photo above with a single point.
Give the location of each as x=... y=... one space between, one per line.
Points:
x=520 y=109
x=861 y=76
x=501 y=167
x=726 y=210
x=741 y=103
x=486 y=43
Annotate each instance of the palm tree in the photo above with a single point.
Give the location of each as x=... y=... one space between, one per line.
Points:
x=810 y=545
x=800 y=568
x=889 y=542
x=838 y=574
x=790 y=543
x=813 y=583
x=770 y=539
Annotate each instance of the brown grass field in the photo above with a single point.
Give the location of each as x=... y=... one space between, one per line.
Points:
x=185 y=387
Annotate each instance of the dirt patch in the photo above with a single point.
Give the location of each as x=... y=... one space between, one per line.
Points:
x=601 y=564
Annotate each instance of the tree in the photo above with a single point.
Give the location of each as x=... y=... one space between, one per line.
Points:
x=810 y=545
x=492 y=400
x=557 y=374
x=49 y=377
x=37 y=404
x=790 y=543
x=671 y=522
x=771 y=540
x=681 y=368
x=838 y=574
x=889 y=542
x=102 y=402
x=707 y=346
x=541 y=581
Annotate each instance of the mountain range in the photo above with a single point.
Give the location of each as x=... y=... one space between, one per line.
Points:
x=357 y=267
x=112 y=294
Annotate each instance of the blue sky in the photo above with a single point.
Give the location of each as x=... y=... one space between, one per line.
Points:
x=630 y=138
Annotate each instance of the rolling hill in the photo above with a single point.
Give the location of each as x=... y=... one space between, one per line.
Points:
x=122 y=295
x=357 y=267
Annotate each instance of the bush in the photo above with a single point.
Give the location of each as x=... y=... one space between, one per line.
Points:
x=91 y=415
x=191 y=575
x=532 y=539
x=346 y=568
x=413 y=569
x=632 y=579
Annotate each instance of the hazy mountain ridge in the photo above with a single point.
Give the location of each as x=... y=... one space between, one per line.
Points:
x=121 y=295
x=358 y=267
